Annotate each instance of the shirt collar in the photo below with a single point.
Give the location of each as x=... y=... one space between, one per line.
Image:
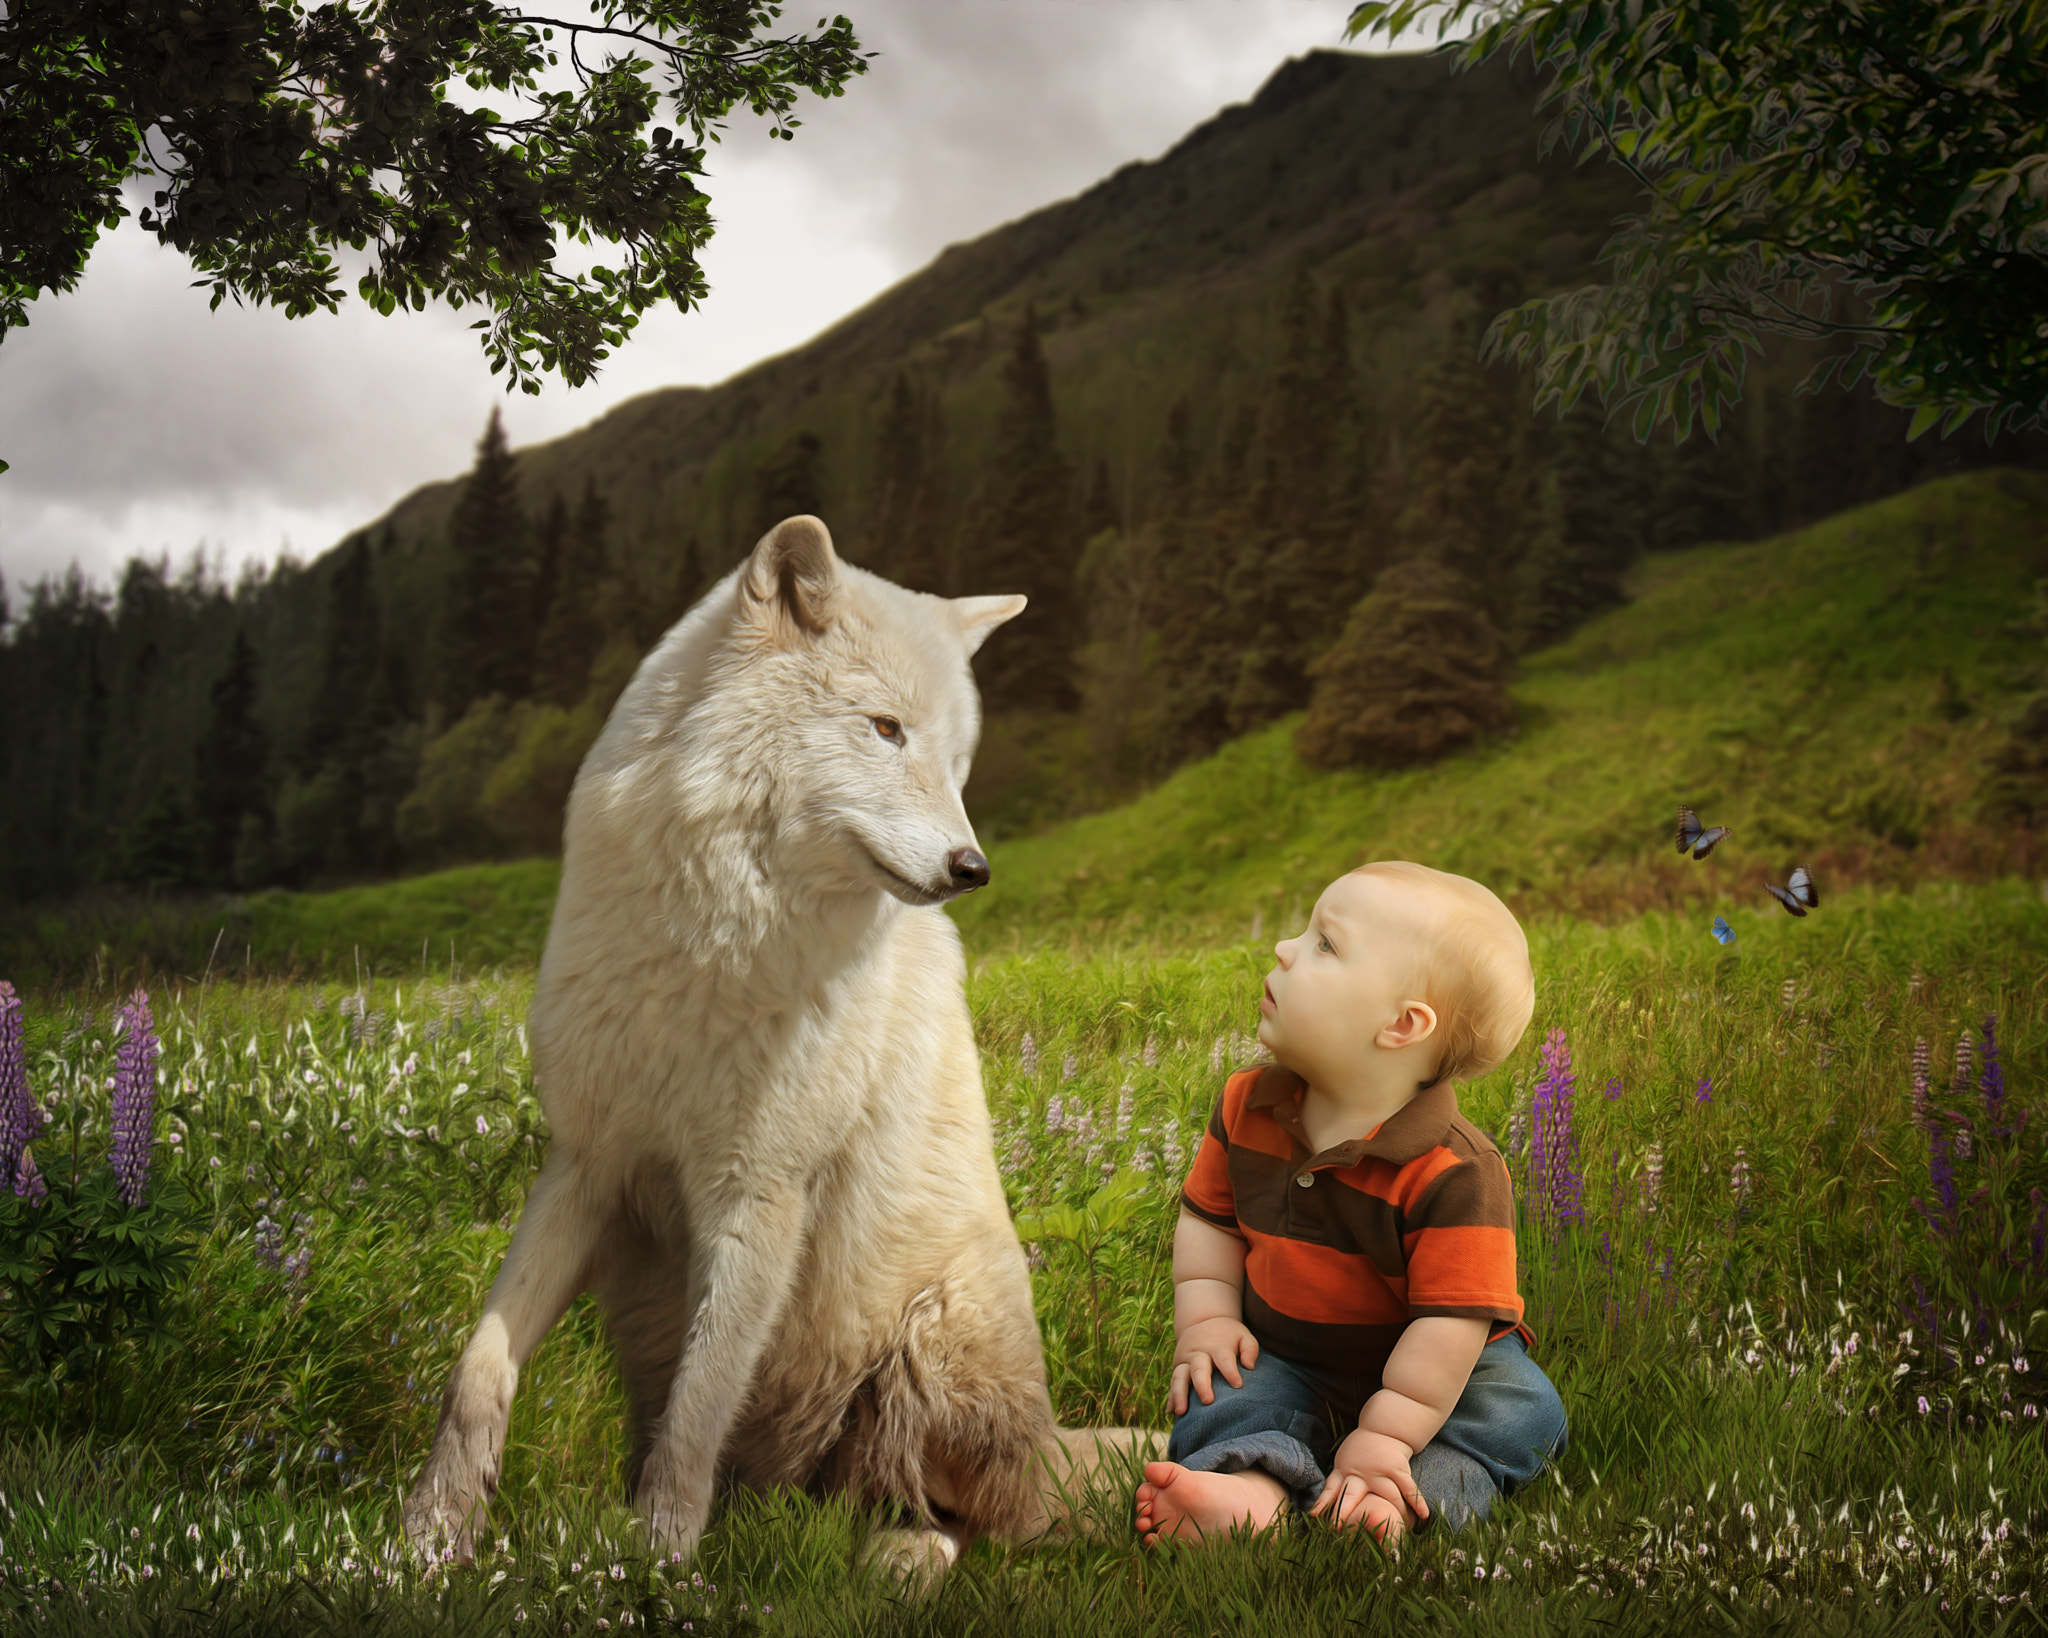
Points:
x=1409 y=1133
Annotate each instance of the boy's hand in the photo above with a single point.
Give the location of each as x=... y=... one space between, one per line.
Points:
x=1210 y=1346
x=1370 y=1483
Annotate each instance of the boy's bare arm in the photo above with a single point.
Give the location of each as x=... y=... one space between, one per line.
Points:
x=1419 y=1389
x=1208 y=1310
x=1424 y=1375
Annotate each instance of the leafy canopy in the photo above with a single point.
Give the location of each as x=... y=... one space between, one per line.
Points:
x=1868 y=172
x=278 y=134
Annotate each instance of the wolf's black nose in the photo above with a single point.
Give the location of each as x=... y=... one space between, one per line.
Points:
x=969 y=868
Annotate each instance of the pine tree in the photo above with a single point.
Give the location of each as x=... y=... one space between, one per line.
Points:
x=1177 y=459
x=1468 y=499
x=164 y=846
x=899 y=476
x=1586 y=534
x=1100 y=511
x=486 y=644
x=905 y=530
x=570 y=635
x=1030 y=542
x=1418 y=672
x=549 y=548
x=648 y=617
x=351 y=654
x=788 y=483
x=1293 y=570
x=229 y=769
x=1199 y=643
x=1299 y=426
x=688 y=582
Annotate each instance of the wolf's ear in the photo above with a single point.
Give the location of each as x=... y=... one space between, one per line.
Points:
x=791 y=583
x=979 y=616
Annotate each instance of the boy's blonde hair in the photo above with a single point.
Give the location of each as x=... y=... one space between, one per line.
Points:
x=1473 y=968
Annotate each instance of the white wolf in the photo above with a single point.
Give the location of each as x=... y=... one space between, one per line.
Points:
x=771 y=1156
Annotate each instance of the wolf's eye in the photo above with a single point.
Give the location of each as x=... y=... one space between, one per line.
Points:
x=889 y=728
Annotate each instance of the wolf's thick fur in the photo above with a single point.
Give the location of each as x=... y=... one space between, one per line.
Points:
x=771 y=1156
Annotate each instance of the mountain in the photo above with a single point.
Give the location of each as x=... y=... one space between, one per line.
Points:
x=1255 y=361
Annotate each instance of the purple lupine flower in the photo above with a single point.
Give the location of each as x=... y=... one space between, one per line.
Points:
x=1558 y=1183
x=1991 y=1083
x=267 y=1242
x=21 y=1118
x=1921 y=1061
x=1027 y=1057
x=1613 y=1089
x=135 y=1099
x=1704 y=1092
x=1964 y=1056
x=1941 y=1173
x=1126 y=1111
x=1055 y=1112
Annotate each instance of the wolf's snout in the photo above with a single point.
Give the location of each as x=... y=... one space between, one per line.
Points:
x=968 y=868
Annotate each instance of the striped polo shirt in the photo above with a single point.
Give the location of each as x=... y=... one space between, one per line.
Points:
x=1346 y=1246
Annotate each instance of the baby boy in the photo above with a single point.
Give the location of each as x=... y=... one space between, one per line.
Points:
x=1350 y=1337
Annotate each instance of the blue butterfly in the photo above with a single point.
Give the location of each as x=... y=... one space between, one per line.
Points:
x=1694 y=837
x=1723 y=931
x=1798 y=895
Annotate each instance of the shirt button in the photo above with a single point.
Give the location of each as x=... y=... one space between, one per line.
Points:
x=1307 y=1180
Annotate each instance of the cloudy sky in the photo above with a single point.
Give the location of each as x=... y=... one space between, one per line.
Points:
x=138 y=422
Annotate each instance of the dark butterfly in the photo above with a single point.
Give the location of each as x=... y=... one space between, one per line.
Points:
x=1694 y=837
x=1797 y=895
x=1724 y=932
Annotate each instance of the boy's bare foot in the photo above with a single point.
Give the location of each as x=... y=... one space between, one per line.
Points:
x=1176 y=1504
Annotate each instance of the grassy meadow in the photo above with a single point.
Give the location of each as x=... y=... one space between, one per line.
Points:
x=1807 y=1389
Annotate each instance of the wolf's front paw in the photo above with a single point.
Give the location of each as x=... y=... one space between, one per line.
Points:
x=675 y=1505
x=439 y=1526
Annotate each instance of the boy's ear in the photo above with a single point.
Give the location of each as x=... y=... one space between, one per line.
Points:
x=1416 y=1023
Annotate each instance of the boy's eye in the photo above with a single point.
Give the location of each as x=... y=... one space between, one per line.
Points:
x=1323 y=944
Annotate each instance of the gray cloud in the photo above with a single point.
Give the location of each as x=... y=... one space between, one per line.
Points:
x=138 y=422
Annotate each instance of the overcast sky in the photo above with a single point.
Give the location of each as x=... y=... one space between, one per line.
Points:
x=138 y=422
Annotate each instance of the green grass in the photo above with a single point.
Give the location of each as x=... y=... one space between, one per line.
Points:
x=1720 y=1472
x=473 y=917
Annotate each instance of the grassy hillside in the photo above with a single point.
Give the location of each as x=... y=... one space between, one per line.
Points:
x=1793 y=688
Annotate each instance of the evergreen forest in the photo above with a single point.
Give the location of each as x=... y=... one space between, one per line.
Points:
x=1222 y=417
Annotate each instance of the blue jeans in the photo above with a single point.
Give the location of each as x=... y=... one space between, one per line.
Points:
x=1507 y=1423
